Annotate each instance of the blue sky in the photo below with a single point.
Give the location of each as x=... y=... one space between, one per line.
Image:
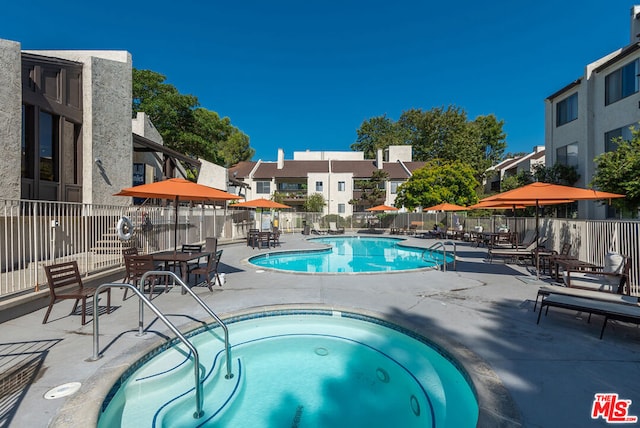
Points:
x=301 y=75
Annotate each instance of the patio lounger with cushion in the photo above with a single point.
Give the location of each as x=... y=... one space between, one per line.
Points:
x=514 y=253
x=547 y=290
x=610 y=310
x=65 y=283
x=509 y=240
x=317 y=230
x=612 y=278
x=335 y=230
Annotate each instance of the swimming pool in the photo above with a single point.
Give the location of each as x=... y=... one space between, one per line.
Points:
x=299 y=368
x=352 y=254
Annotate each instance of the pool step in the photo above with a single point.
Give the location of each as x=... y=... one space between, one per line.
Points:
x=219 y=394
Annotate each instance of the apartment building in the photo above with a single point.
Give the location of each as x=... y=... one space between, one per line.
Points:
x=67 y=133
x=512 y=166
x=334 y=175
x=582 y=118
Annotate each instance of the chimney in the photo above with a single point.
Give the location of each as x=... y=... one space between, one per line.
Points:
x=635 y=24
x=280 y=158
x=379 y=159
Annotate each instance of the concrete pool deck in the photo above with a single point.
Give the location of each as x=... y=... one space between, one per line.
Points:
x=548 y=373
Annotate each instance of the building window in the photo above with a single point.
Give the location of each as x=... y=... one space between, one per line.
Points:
x=394 y=186
x=263 y=187
x=341 y=209
x=48 y=148
x=610 y=144
x=318 y=186
x=567 y=110
x=621 y=83
x=568 y=155
x=341 y=186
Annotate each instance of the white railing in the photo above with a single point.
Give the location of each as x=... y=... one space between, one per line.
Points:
x=36 y=233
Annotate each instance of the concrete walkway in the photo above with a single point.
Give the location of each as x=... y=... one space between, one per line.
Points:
x=543 y=375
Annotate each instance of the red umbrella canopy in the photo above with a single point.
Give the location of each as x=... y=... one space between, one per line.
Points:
x=382 y=208
x=445 y=206
x=260 y=203
x=177 y=189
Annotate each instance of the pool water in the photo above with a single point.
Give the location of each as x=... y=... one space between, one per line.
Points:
x=311 y=369
x=352 y=254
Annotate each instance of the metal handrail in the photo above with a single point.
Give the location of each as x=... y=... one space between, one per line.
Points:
x=142 y=301
x=186 y=288
x=196 y=359
x=442 y=244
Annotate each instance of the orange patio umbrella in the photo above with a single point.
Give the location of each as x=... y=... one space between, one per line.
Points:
x=491 y=203
x=261 y=203
x=382 y=208
x=177 y=189
x=551 y=192
x=541 y=193
x=446 y=206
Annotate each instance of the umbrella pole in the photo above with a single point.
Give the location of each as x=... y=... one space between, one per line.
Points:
x=515 y=226
x=537 y=239
x=175 y=228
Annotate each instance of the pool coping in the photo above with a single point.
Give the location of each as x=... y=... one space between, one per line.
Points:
x=496 y=406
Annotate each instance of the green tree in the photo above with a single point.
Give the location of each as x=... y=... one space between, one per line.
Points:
x=556 y=174
x=439 y=181
x=377 y=133
x=371 y=190
x=491 y=142
x=235 y=148
x=314 y=203
x=440 y=133
x=183 y=125
x=618 y=171
x=522 y=178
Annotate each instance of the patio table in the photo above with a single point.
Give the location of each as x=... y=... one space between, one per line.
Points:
x=179 y=257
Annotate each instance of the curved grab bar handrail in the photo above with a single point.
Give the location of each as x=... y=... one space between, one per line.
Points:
x=186 y=288
x=442 y=244
x=196 y=359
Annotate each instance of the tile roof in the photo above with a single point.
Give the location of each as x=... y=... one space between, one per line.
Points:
x=242 y=168
x=290 y=169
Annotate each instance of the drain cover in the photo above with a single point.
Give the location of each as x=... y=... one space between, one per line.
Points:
x=62 y=390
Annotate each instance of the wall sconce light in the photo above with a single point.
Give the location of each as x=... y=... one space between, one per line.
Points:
x=98 y=162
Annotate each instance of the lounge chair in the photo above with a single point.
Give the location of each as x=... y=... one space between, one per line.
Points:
x=65 y=283
x=516 y=253
x=191 y=248
x=612 y=278
x=317 y=230
x=252 y=238
x=334 y=229
x=210 y=270
x=275 y=236
x=610 y=310
x=547 y=290
x=136 y=267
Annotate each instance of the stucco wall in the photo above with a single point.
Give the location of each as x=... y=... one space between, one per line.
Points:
x=10 y=118
x=212 y=175
x=106 y=130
